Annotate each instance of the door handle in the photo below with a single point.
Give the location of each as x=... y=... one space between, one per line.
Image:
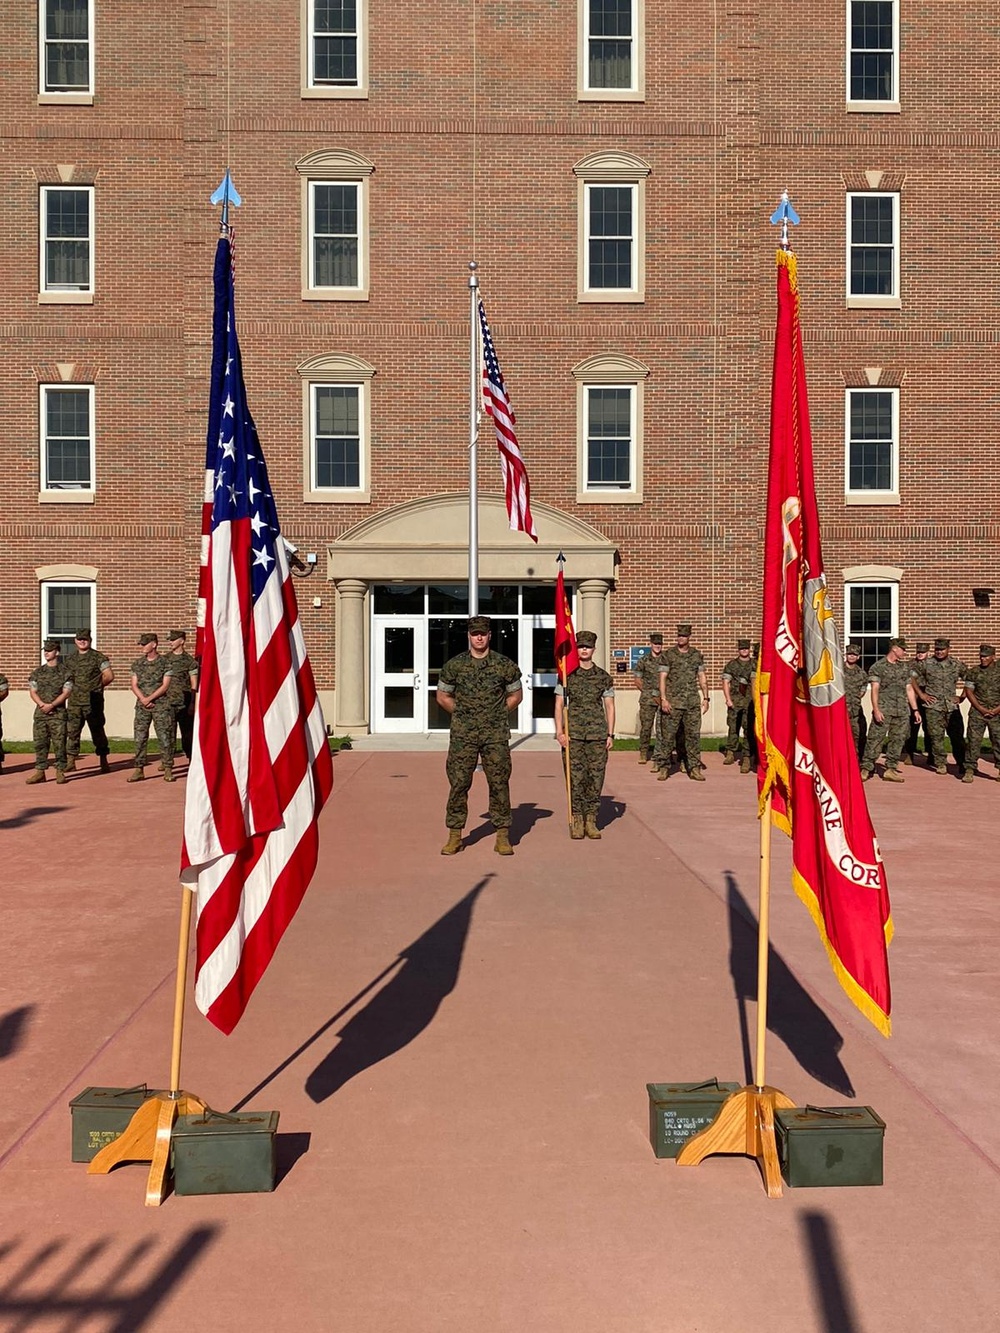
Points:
x=416 y=680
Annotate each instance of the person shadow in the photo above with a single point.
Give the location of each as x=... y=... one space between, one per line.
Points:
x=792 y=1014
x=524 y=817
x=609 y=810
x=13 y=1027
x=406 y=1004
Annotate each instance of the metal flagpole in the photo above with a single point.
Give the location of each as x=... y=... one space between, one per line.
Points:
x=473 y=438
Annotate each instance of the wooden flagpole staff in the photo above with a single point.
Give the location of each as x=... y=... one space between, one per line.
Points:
x=745 y=1122
x=147 y=1136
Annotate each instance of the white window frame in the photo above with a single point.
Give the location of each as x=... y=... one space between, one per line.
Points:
x=617 y=170
x=336 y=370
x=872 y=497
x=882 y=105
x=338 y=167
x=610 y=371
x=890 y=301
x=310 y=88
x=636 y=91
x=53 y=583
x=57 y=295
x=59 y=493
x=68 y=97
x=870 y=581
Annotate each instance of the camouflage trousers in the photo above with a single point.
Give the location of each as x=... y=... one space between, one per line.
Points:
x=463 y=754
x=978 y=725
x=588 y=761
x=738 y=720
x=940 y=726
x=48 y=732
x=161 y=715
x=650 y=715
x=681 y=726
x=859 y=730
x=93 y=715
x=888 y=735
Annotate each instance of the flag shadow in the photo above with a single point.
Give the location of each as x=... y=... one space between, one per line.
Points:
x=405 y=1005
x=54 y=1283
x=13 y=1026
x=30 y=814
x=792 y=1014
x=832 y=1292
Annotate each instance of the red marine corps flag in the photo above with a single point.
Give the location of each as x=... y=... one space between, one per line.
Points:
x=809 y=767
x=567 y=658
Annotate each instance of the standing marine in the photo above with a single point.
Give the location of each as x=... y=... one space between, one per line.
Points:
x=49 y=687
x=982 y=689
x=480 y=689
x=150 y=681
x=938 y=682
x=918 y=724
x=90 y=672
x=585 y=722
x=647 y=673
x=181 y=690
x=893 y=703
x=737 y=687
x=682 y=680
x=855 y=688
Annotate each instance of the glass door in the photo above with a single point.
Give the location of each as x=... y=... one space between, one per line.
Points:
x=399 y=696
x=537 y=659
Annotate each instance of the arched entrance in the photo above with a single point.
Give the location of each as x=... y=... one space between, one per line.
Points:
x=401 y=579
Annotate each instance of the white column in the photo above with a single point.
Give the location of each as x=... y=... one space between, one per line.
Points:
x=592 y=614
x=351 y=661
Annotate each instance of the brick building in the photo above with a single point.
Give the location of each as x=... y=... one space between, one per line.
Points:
x=611 y=165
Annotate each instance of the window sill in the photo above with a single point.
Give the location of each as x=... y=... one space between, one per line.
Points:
x=873 y=108
x=871 y=498
x=81 y=497
x=609 y=497
x=65 y=298
x=65 y=99
x=611 y=298
x=334 y=294
x=611 y=95
x=874 y=303
x=325 y=94
x=333 y=497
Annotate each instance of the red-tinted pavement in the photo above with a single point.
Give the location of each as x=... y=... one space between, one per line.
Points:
x=464 y=1142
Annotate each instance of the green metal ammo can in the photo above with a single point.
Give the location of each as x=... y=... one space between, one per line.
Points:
x=217 y=1153
x=101 y=1115
x=678 y=1111
x=830 y=1145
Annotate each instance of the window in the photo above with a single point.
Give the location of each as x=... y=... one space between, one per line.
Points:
x=872 y=615
x=66 y=51
x=610 y=50
x=609 y=408
x=335 y=226
x=67 y=441
x=873 y=249
x=612 y=227
x=872 y=55
x=872 y=437
x=67 y=241
x=337 y=414
x=67 y=607
x=335 y=55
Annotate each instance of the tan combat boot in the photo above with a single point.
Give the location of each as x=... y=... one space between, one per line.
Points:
x=576 y=828
x=71 y=763
x=969 y=775
x=136 y=775
x=729 y=759
x=663 y=774
x=745 y=764
x=892 y=775
x=940 y=768
x=696 y=774
x=590 y=827
x=61 y=775
x=454 y=843
x=643 y=756
x=502 y=845
x=168 y=772
x=36 y=777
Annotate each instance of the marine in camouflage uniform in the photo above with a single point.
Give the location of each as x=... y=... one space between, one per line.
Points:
x=893 y=701
x=647 y=673
x=681 y=682
x=4 y=691
x=150 y=682
x=982 y=689
x=855 y=686
x=87 y=669
x=479 y=688
x=918 y=724
x=585 y=727
x=49 y=687
x=180 y=692
x=936 y=682
x=737 y=686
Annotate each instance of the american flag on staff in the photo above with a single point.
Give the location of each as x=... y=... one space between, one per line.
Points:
x=517 y=490
x=261 y=767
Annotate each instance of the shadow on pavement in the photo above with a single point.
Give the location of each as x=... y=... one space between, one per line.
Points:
x=29 y=815
x=429 y=972
x=56 y=1283
x=833 y=1295
x=792 y=1013
x=288 y=1148
x=13 y=1026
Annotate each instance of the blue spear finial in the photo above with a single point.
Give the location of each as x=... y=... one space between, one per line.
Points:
x=785 y=214
x=226 y=194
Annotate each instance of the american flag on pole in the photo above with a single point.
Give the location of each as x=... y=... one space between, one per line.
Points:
x=517 y=490
x=261 y=767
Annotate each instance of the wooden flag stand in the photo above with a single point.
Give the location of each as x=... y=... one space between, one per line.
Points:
x=745 y=1122
x=147 y=1136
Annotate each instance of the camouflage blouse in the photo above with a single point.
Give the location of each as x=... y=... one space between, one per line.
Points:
x=481 y=686
x=585 y=692
x=682 y=670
